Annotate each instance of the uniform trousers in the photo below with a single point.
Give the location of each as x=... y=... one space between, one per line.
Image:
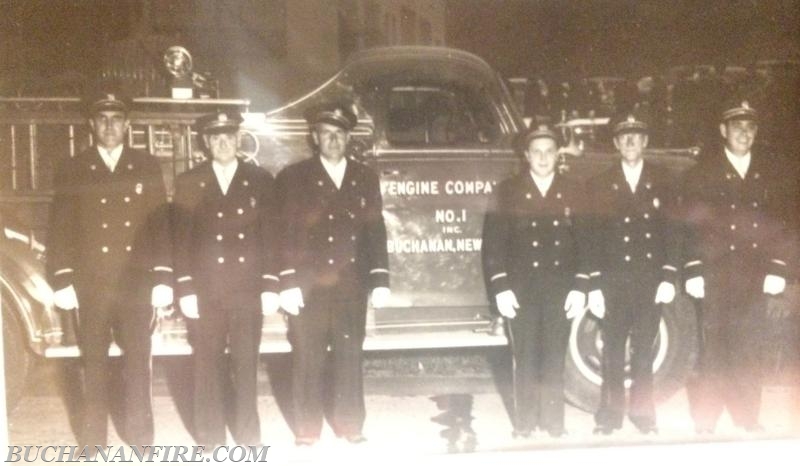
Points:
x=732 y=320
x=126 y=318
x=538 y=336
x=234 y=324
x=631 y=312
x=332 y=318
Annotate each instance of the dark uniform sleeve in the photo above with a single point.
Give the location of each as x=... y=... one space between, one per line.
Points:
x=671 y=229
x=582 y=234
x=692 y=212
x=496 y=232
x=594 y=232
x=158 y=227
x=63 y=228
x=288 y=231
x=182 y=227
x=378 y=255
x=268 y=223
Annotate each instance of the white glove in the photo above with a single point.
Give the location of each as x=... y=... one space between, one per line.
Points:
x=270 y=302
x=189 y=306
x=597 y=303
x=66 y=299
x=774 y=284
x=696 y=287
x=507 y=304
x=380 y=297
x=575 y=304
x=292 y=300
x=161 y=296
x=665 y=293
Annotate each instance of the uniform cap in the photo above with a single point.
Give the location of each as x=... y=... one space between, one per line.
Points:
x=739 y=109
x=336 y=114
x=110 y=101
x=538 y=132
x=630 y=123
x=220 y=122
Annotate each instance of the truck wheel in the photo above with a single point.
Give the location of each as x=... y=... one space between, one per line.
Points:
x=676 y=351
x=19 y=359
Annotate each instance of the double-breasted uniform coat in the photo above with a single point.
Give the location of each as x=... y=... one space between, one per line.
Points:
x=108 y=237
x=226 y=254
x=736 y=237
x=532 y=246
x=634 y=249
x=334 y=250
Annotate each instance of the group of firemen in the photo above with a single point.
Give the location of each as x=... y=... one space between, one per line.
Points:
x=233 y=246
x=236 y=245
x=617 y=246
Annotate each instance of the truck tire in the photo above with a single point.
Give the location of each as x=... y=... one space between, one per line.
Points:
x=676 y=352
x=19 y=359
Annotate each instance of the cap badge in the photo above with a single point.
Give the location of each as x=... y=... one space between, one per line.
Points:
x=111 y=97
x=631 y=119
x=745 y=105
x=139 y=188
x=656 y=203
x=252 y=203
x=222 y=118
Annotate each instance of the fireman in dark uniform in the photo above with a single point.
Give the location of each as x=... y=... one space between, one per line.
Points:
x=226 y=273
x=108 y=257
x=633 y=273
x=735 y=257
x=334 y=253
x=534 y=268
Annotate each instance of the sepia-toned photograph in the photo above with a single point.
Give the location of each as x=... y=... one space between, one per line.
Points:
x=399 y=231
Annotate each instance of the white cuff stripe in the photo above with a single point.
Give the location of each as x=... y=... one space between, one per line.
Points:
x=162 y=268
x=670 y=268
x=270 y=277
x=498 y=275
x=287 y=272
x=63 y=271
x=693 y=263
x=595 y=274
x=779 y=262
x=582 y=276
x=379 y=271
x=184 y=279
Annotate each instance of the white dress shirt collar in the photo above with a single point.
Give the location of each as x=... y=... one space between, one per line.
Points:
x=336 y=172
x=740 y=162
x=225 y=173
x=632 y=174
x=110 y=157
x=543 y=184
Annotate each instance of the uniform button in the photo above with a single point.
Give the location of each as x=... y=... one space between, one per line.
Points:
x=555 y=223
x=127 y=199
x=219 y=214
x=626 y=239
x=556 y=263
x=330 y=261
x=330 y=239
x=627 y=258
x=219 y=237
x=755 y=245
x=733 y=227
x=105 y=225
x=533 y=224
x=127 y=223
x=648 y=235
x=557 y=243
x=646 y=215
x=352 y=259
x=128 y=248
x=221 y=260
x=330 y=216
x=627 y=220
x=733 y=206
x=649 y=256
x=535 y=244
x=103 y=200
x=353 y=238
x=104 y=249
x=755 y=224
x=536 y=264
x=241 y=235
x=240 y=211
x=755 y=204
x=733 y=248
x=241 y=259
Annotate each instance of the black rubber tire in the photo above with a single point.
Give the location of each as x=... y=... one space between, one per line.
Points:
x=673 y=362
x=19 y=359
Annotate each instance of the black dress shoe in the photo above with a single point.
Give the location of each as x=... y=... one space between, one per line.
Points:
x=602 y=429
x=523 y=433
x=557 y=433
x=355 y=439
x=647 y=430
